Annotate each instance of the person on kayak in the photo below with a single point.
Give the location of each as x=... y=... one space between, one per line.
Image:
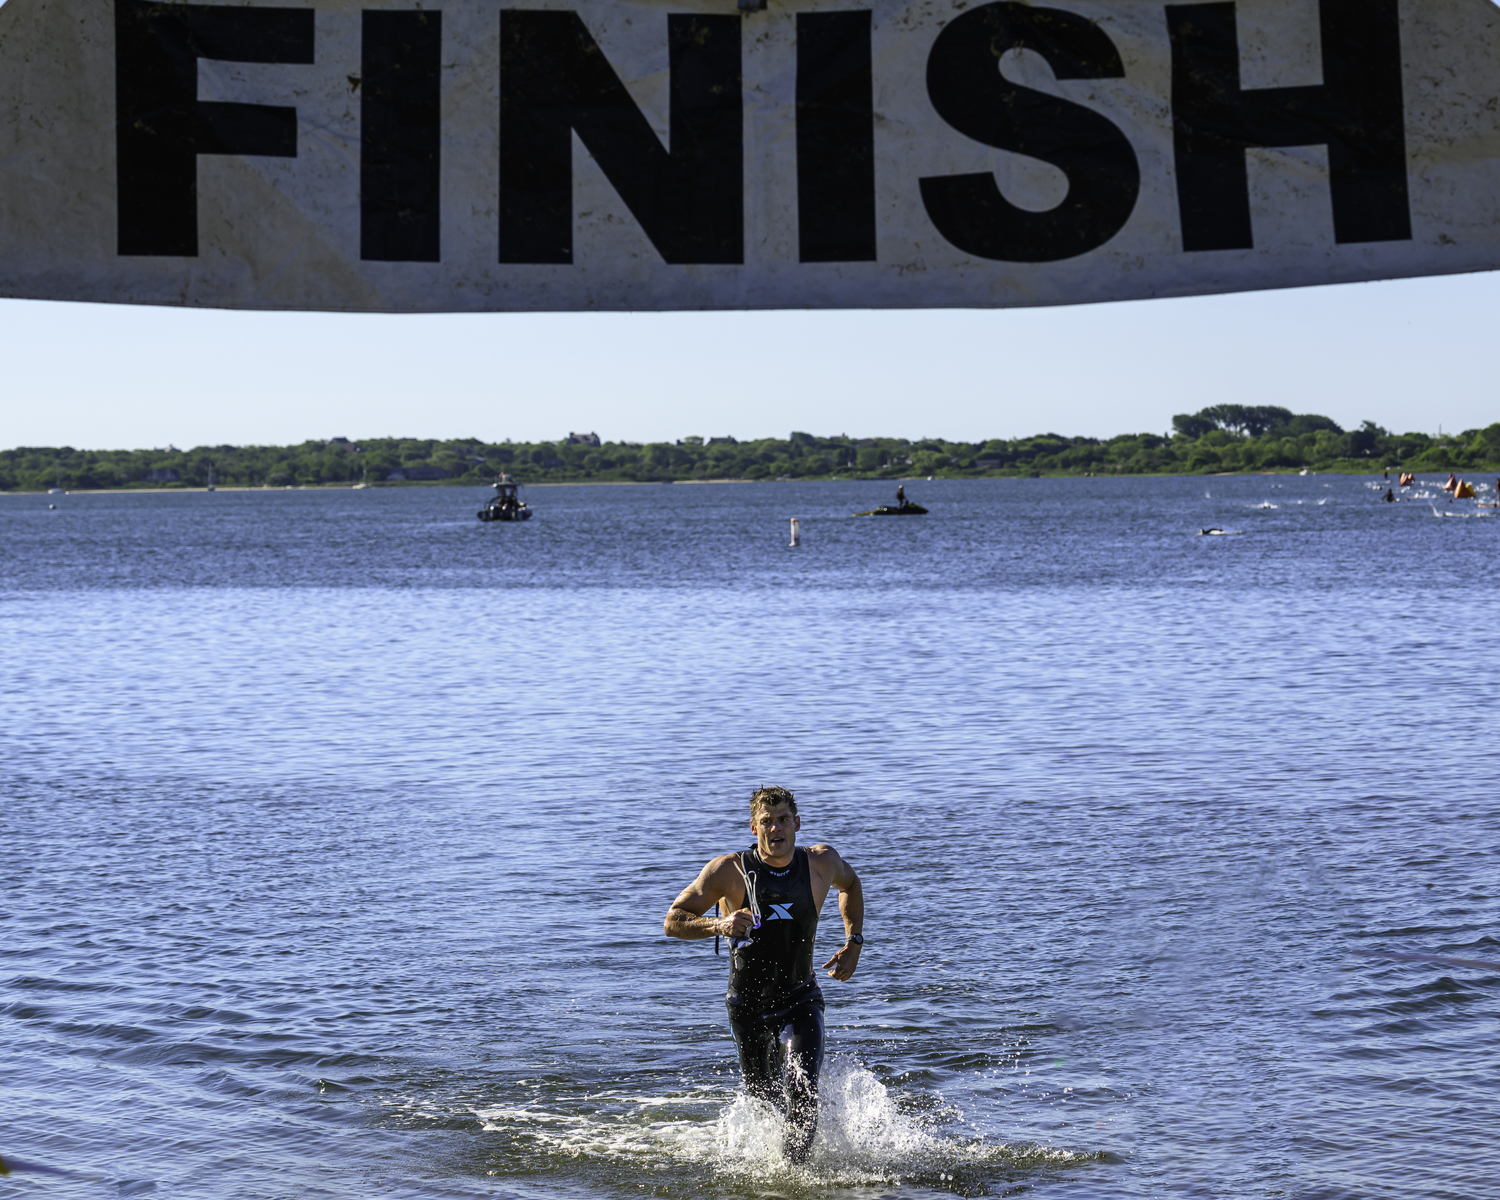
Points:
x=772 y=894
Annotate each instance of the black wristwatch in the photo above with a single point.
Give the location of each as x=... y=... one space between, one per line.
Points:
x=857 y=939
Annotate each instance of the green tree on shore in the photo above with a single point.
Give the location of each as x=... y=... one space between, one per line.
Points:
x=1218 y=438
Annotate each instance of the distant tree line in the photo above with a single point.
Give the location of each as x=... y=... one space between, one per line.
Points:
x=1224 y=437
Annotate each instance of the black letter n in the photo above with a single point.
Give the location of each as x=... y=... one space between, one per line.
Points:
x=554 y=81
x=1357 y=113
x=162 y=126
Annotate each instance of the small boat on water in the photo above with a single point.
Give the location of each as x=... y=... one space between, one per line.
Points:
x=902 y=508
x=505 y=505
x=894 y=510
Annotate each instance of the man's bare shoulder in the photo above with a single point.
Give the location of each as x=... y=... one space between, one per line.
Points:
x=831 y=866
x=722 y=869
x=717 y=879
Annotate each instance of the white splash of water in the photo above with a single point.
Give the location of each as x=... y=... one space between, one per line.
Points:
x=863 y=1135
x=861 y=1131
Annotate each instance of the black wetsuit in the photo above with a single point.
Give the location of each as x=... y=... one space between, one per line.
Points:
x=775 y=1005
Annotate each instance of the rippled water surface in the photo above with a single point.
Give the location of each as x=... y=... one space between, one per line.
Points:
x=339 y=828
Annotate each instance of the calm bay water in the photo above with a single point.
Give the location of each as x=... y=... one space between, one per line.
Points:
x=339 y=828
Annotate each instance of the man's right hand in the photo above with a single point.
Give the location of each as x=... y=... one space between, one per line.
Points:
x=736 y=924
x=718 y=884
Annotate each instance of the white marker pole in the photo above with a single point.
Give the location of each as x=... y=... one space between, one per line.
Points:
x=796 y=532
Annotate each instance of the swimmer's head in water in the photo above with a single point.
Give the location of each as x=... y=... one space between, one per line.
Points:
x=774 y=820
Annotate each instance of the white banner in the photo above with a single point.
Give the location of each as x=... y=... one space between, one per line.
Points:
x=464 y=155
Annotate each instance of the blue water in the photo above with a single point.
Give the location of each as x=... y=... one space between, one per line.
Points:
x=339 y=828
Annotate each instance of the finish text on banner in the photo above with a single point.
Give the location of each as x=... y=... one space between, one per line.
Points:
x=464 y=155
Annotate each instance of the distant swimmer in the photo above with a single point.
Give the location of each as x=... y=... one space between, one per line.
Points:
x=773 y=893
x=1211 y=529
x=1389 y=497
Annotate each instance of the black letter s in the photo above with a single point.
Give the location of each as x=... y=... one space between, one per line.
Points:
x=968 y=91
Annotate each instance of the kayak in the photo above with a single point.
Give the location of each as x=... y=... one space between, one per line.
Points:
x=892 y=510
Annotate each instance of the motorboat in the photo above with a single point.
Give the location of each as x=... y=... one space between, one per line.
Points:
x=505 y=505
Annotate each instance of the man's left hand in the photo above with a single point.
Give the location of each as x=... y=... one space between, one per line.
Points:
x=844 y=962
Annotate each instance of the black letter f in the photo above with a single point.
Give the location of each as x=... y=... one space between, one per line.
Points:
x=162 y=125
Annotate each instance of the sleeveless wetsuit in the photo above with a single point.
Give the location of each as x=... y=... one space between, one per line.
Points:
x=775 y=1005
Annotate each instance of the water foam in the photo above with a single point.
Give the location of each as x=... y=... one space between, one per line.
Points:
x=864 y=1136
x=1462 y=515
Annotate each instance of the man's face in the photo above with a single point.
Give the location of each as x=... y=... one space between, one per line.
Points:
x=775 y=830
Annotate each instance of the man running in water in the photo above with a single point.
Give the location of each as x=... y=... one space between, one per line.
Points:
x=772 y=894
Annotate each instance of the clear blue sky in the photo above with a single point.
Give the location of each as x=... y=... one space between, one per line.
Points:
x=1410 y=355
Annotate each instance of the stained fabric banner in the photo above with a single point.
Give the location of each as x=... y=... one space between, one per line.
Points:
x=473 y=155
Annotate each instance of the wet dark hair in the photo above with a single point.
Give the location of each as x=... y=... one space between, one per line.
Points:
x=770 y=797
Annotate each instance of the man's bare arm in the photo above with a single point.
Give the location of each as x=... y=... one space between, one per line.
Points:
x=851 y=899
x=683 y=923
x=852 y=908
x=688 y=919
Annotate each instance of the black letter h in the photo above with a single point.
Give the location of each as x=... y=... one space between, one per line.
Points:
x=1357 y=113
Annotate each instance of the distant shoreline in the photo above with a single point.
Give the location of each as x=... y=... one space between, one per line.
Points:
x=1221 y=440
x=902 y=479
x=411 y=485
